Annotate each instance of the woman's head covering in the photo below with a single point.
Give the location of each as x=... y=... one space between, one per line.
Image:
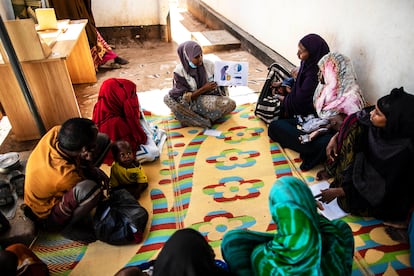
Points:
x=398 y=109
x=300 y=100
x=340 y=92
x=186 y=52
x=186 y=253
x=305 y=242
x=296 y=247
x=117 y=113
x=317 y=48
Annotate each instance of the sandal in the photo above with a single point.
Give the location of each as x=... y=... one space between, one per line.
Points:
x=397 y=234
x=110 y=66
x=396 y=224
x=6 y=195
x=16 y=179
x=121 y=61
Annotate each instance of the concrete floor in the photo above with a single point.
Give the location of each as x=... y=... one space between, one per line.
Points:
x=151 y=65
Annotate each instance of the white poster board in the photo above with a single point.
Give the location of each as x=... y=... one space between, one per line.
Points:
x=231 y=73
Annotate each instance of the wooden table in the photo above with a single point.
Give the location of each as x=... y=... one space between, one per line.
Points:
x=49 y=79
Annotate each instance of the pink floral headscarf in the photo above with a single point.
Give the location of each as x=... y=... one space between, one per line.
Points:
x=340 y=92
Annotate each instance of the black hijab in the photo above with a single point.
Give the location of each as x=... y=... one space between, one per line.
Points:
x=187 y=253
x=398 y=108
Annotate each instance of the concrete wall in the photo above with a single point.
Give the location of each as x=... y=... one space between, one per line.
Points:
x=6 y=10
x=113 y=13
x=378 y=35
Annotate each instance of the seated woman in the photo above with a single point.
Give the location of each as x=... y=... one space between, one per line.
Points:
x=195 y=98
x=305 y=242
x=336 y=96
x=371 y=159
x=311 y=49
x=102 y=53
x=117 y=113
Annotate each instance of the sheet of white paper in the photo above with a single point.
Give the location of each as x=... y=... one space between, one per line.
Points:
x=212 y=132
x=231 y=73
x=332 y=210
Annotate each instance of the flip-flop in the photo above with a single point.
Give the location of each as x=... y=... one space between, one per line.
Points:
x=16 y=179
x=6 y=195
x=397 y=234
x=110 y=66
x=396 y=224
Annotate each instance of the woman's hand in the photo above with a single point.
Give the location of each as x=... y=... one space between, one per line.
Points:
x=204 y=89
x=327 y=195
x=332 y=148
x=209 y=86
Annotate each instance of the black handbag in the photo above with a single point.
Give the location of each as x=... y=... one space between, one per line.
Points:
x=268 y=105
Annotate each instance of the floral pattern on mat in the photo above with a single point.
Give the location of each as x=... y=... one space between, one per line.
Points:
x=214 y=184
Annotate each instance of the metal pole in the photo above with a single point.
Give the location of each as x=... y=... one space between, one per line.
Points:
x=18 y=72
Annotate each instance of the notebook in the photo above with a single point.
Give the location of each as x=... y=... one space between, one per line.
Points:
x=46 y=19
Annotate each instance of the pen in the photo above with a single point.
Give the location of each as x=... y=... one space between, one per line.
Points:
x=318 y=195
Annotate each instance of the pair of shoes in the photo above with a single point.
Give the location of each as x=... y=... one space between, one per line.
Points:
x=16 y=179
x=121 y=61
x=6 y=194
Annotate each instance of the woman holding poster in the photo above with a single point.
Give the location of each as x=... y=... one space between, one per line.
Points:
x=195 y=99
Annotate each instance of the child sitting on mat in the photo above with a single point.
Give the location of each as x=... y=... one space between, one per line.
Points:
x=126 y=171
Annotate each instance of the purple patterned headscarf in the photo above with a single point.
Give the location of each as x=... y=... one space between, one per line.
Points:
x=186 y=52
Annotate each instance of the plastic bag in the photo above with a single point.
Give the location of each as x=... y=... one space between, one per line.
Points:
x=120 y=219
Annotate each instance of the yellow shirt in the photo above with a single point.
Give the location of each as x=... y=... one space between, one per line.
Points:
x=124 y=176
x=50 y=173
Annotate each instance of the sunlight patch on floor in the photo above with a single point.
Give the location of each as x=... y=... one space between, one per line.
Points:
x=153 y=100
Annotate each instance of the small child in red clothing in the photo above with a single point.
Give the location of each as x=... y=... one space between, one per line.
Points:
x=126 y=171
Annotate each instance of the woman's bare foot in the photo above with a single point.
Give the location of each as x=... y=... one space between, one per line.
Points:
x=322 y=175
x=396 y=224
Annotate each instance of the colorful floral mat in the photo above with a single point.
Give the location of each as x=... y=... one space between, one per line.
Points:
x=218 y=183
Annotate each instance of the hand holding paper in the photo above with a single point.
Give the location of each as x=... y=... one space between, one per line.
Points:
x=329 y=210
